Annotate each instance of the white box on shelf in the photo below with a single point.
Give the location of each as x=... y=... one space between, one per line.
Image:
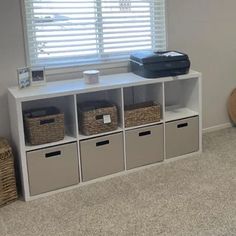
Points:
x=91 y=76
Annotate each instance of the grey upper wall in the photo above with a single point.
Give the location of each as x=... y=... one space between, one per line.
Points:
x=205 y=29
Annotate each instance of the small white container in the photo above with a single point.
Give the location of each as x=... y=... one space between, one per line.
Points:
x=91 y=76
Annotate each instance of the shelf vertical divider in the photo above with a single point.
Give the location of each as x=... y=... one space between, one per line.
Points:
x=77 y=136
x=123 y=124
x=18 y=138
x=164 y=118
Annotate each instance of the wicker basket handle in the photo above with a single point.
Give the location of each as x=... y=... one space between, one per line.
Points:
x=99 y=117
x=47 y=121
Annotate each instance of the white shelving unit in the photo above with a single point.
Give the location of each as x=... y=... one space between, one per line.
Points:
x=180 y=99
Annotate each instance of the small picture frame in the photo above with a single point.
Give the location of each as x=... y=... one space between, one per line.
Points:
x=23 y=76
x=37 y=76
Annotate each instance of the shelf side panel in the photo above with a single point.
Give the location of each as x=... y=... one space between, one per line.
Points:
x=191 y=94
x=18 y=139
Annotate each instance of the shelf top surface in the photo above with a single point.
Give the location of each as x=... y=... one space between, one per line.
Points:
x=67 y=139
x=178 y=113
x=76 y=86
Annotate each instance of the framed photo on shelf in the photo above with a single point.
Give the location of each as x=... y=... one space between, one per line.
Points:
x=37 y=76
x=23 y=76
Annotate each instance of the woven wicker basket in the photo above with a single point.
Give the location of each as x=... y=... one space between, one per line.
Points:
x=142 y=113
x=8 y=192
x=91 y=117
x=44 y=125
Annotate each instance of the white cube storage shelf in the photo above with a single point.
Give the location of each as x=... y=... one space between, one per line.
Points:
x=112 y=152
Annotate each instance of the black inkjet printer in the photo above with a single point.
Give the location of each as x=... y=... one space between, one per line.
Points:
x=150 y=64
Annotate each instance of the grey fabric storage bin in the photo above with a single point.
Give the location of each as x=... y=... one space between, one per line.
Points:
x=144 y=146
x=102 y=156
x=53 y=168
x=182 y=137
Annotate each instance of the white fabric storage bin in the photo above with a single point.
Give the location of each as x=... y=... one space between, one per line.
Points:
x=102 y=156
x=182 y=137
x=53 y=168
x=144 y=146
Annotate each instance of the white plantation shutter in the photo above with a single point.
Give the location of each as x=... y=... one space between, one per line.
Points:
x=81 y=31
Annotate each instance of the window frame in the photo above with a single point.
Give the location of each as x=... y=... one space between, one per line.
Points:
x=103 y=65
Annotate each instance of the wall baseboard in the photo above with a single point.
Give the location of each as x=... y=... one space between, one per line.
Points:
x=217 y=127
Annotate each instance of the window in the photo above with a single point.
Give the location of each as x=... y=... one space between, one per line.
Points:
x=67 y=32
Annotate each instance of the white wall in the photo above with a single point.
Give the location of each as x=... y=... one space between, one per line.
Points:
x=205 y=29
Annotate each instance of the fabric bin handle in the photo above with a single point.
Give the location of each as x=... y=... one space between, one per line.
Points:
x=102 y=143
x=53 y=154
x=182 y=125
x=145 y=133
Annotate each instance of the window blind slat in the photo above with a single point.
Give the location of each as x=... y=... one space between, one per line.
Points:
x=88 y=43
x=105 y=26
x=62 y=32
x=107 y=39
x=92 y=48
x=65 y=8
x=55 y=24
x=105 y=35
x=89 y=37
x=84 y=19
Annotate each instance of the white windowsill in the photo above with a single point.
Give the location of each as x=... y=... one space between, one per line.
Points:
x=80 y=68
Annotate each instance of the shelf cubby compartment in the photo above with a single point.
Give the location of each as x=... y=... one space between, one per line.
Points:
x=181 y=99
x=66 y=105
x=113 y=96
x=142 y=94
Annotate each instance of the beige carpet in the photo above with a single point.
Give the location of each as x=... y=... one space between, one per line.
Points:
x=194 y=196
